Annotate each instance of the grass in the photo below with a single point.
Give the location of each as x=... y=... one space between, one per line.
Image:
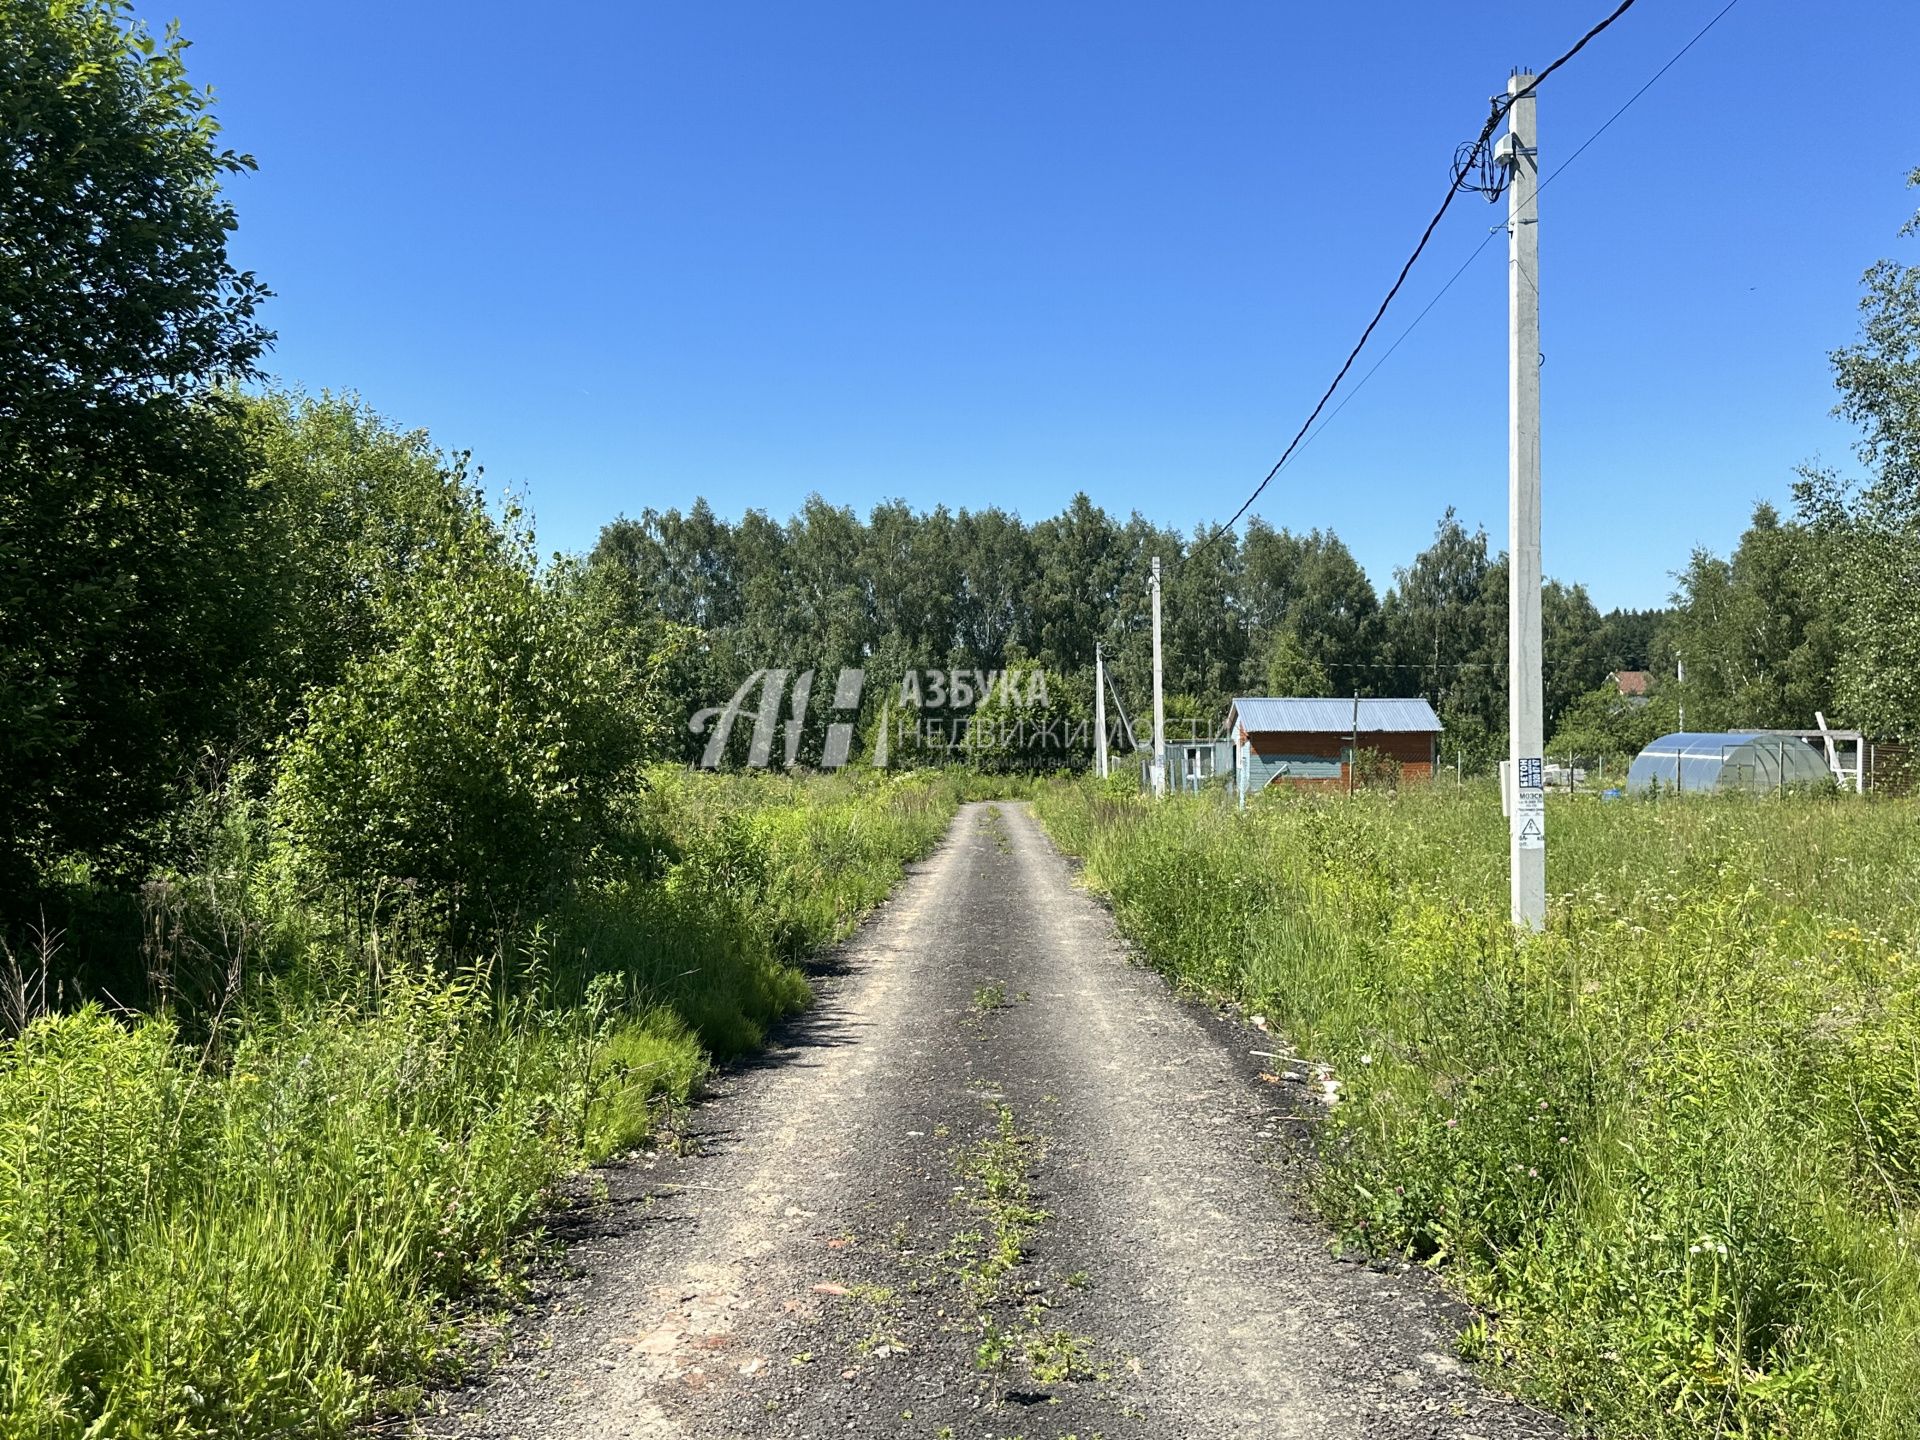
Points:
x=252 y=1220
x=998 y=1175
x=1670 y=1149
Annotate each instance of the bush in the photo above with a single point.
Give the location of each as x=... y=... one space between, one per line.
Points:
x=1671 y=1147
x=253 y=1226
x=477 y=763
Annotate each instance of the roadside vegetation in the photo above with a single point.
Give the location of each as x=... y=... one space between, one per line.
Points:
x=1670 y=1149
x=347 y=902
x=248 y=1220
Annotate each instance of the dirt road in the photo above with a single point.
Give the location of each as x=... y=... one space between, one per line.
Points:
x=1000 y=1182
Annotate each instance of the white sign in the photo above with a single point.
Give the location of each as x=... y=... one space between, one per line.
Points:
x=1529 y=815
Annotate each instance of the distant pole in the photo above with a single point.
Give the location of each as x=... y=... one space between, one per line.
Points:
x=1159 y=703
x=1099 y=713
x=1527 y=837
x=1680 y=683
x=1353 y=751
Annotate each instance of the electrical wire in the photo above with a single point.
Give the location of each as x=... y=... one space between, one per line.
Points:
x=1679 y=55
x=1555 y=174
x=1499 y=108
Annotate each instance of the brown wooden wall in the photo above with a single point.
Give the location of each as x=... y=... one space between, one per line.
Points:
x=1413 y=749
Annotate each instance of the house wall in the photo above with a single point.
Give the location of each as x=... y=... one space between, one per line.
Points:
x=1218 y=769
x=1313 y=759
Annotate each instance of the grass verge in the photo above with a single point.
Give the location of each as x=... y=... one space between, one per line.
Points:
x=1670 y=1149
x=251 y=1223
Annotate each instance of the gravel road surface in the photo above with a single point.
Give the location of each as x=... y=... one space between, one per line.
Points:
x=999 y=1182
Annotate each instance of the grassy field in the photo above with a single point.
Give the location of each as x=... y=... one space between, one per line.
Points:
x=250 y=1223
x=1671 y=1149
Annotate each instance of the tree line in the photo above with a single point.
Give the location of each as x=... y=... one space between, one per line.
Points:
x=209 y=587
x=1268 y=612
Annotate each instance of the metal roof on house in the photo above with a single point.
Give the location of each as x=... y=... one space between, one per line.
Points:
x=1265 y=714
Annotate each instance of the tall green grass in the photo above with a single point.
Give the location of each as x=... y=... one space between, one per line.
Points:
x=1670 y=1149
x=251 y=1222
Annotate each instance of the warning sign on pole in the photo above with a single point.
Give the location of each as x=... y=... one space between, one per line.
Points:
x=1529 y=814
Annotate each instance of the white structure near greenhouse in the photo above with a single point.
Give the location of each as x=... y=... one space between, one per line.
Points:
x=1754 y=761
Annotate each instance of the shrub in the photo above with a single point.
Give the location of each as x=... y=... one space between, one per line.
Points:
x=1671 y=1147
x=476 y=763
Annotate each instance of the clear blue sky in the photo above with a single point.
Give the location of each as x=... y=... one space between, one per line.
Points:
x=994 y=254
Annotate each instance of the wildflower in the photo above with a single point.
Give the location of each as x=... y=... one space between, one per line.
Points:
x=1532 y=1173
x=1453 y=1124
x=1366 y=1059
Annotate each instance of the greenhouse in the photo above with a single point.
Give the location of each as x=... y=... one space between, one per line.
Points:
x=1750 y=761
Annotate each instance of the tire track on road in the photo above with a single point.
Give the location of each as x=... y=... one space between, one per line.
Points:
x=808 y=1272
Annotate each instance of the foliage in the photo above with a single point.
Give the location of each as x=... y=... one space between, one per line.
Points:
x=1870 y=533
x=1375 y=768
x=1670 y=1149
x=123 y=493
x=479 y=761
x=1757 y=631
x=1291 y=670
x=350 y=509
x=257 y=1233
x=1279 y=613
x=1603 y=724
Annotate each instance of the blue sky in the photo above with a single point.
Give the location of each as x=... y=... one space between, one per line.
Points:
x=994 y=254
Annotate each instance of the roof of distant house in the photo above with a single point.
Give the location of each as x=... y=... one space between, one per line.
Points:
x=1631 y=682
x=1261 y=714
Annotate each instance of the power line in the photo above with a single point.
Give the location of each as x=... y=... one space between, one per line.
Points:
x=1553 y=175
x=1499 y=107
x=1678 y=56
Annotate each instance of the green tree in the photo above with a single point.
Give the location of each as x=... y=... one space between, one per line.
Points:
x=477 y=763
x=1603 y=724
x=1311 y=587
x=1290 y=670
x=1870 y=532
x=1627 y=638
x=123 y=483
x=1573 y=647
x=1446 y=628
x=349 y=506
x=1755 y=630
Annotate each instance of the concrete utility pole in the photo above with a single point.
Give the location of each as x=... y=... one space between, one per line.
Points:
x=1353 y=750
x=1099 y=713
x=1159 y=704
x=1527 y=834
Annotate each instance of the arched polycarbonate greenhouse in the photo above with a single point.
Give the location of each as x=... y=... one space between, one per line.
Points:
x=1699 y=761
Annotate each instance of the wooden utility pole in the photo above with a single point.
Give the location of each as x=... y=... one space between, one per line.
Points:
x=1527 y=835
x=1099 y=713
x=1159 y=703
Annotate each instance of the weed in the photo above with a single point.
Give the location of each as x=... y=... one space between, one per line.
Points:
x=250 y=1219
x=1671 y=1146
x=989 y=997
